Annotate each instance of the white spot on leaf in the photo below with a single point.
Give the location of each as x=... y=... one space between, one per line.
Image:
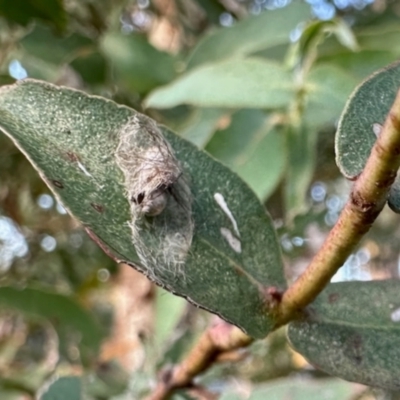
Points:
x=222 y=203
x=85 y=171
x=377 y=128
x=395 y=315
x=233 y=241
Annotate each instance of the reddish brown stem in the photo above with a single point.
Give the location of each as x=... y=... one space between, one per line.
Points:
x=366 y=201
x=219 y=338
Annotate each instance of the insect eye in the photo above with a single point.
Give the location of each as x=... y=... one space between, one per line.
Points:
x=140 y=198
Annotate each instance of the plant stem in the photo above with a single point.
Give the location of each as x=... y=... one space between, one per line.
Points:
x=219 y=338
x=366 y=201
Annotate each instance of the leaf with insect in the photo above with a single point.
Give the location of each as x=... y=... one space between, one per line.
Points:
x=231 y=264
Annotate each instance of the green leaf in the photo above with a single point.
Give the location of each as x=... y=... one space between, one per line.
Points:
x=269 y=29
x=72 y=139
x=301 y=144
x=138 y=66
x=254 y=148
x=6 y=80
x=109 y=380
x=168 y=311
x=43 y=304
x=47 y=46
x=202 y=125
x=352 y=331
x=300 y=389
x=64 y=388
x=233 y=83
x=359 y=125
x=92 y=67
x=23 y=11
x=315 y=33
x=10 y=394
x=385 y=36
x=360 y=64
x=327 y=89
x=213 y=9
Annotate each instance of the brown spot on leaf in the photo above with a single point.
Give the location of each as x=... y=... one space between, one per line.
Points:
x=333 y=298
x=72 y=156
x=98 y=207
x=57 y=183
x=354 y=348
x=238 y=270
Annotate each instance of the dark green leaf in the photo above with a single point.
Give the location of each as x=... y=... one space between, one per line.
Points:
x=254 y=148
x=267 y=30
x=138 y=66
x=92 y=67
x=62 y=311
x=72 y=139
x=352 y=331
x=6 y=80
x=251 y=83
x=300 y=389
x=360 y=123
x=23 y=11
x=45 y=45
x=213 y=9
x=64 y=388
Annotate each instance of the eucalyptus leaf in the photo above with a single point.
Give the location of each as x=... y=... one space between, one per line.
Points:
x=327 y=90
x=359 y=64
x=202 y=125
x=138 y=66
x=269 y=29
x=169 y=309
x=254 y=148
x=46 y=45
x=24 y=11
x=299 y=389
x=63 y=388
x=301 y=143
x=250 y=83
x=352 y=331
x=383 y=36
x=73 y=138
x=360 y=123
x=44 y=304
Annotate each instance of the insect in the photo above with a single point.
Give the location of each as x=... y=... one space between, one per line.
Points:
x=156 y=187
x=150 y=167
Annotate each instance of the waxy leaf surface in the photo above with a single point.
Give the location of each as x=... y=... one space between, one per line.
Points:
x=352 y=331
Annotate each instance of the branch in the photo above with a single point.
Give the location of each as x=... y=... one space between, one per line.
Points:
x=219 y=338
x=366 y=201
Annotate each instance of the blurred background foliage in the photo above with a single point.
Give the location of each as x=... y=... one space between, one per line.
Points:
x=260 y=85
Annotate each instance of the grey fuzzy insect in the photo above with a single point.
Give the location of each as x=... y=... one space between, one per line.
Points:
x=150 y=166
x=158 y=193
